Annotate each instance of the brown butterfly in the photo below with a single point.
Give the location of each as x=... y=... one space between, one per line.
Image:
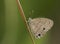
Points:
x=39 y=26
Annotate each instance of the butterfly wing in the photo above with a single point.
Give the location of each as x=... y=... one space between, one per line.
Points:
x=39 y=26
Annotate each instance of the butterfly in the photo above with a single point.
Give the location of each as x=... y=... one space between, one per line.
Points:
x=39 y=26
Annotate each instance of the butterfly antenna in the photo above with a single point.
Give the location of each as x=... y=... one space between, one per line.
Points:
x=24 y=18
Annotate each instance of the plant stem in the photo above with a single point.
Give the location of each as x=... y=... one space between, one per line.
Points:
x=24 y=18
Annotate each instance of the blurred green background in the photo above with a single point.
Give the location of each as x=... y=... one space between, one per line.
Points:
x=13 y=29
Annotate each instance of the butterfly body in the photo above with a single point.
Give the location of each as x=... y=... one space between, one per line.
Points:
x=39 y=26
